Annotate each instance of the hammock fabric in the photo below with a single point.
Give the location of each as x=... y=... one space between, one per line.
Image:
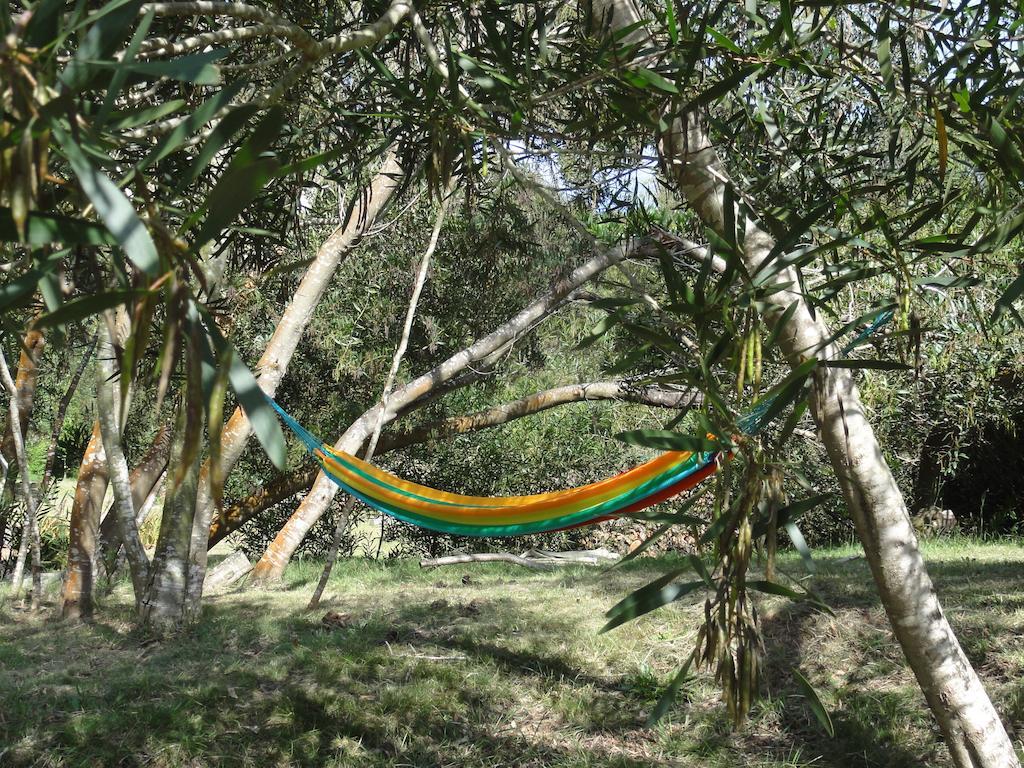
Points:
x=658 y=480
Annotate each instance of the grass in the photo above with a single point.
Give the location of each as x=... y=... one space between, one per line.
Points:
x=418 y=668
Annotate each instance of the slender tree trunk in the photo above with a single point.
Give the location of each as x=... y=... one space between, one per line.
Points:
x=361 y=216
x=271 y=566
x=30 y=534
x=164 y=603
x=389 y=385
x=143 y=480
x=970 y=724
x=80 y=580
x=59 y=416
x=92 y=540
x=25 y=384
x=107 y=401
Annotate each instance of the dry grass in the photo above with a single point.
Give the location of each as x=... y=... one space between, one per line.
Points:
x=420 y=669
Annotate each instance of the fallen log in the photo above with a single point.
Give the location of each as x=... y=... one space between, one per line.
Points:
x=537 y=559
x=227 y=571
x=487 y=557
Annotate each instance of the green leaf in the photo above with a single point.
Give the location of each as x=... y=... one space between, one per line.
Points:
x=244 y=178
x=669 y=696
x=262 y=417
x=197 y=68
x=644 y=78
x=1011 y=294
x=666 y=440
x=723 y=41
x=786 y=392
x=48 y=229
x=203 y=114
x=112 y=207
x=228 y=126
x=817 y=708
x=45 y=22
x=121 y=68
x=670 y=22
x=606 y=324
x=794 y=511
x=102 y=39
x=800 y=543
x=649 y=598
x=133 y=118
x=17 y=289
x=86 y=306
x=884 y=52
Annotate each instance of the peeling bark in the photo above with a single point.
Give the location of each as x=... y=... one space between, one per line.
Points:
x=80 y=580
x=25 y=385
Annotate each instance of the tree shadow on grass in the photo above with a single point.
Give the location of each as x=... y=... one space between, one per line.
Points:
x=285 y=690
x=439 y=683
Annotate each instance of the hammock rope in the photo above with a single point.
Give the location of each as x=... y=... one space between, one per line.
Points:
x=655 y=481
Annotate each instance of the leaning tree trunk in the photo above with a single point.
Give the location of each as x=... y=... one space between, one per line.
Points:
x=271 y=566
x=361 y=216
x=389 y=385
x=970 y=724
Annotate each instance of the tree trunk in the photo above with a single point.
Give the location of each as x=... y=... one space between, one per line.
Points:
x=109 y=417
x=163 y=607
x=30 y=532
x=143 y=481
x=362 y=214
x=93 y=540
x=970 y=724
x=25 y=384
x=77 y=602
x=271 y=566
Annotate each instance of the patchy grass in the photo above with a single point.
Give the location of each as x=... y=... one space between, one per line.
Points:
x=418 y=668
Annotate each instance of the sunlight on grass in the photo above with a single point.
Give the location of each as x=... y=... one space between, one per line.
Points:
x=419 y=668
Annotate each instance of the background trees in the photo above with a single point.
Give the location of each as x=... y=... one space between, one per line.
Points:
x=205 y=185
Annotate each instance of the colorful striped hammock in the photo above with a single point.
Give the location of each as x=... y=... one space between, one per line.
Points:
x=655 y=481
